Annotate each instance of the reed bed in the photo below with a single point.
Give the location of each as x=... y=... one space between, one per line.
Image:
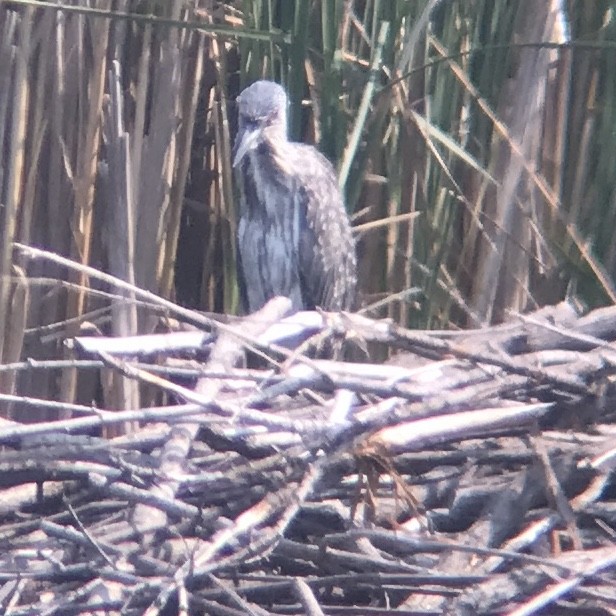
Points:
x=473 y=475
x=473 y=140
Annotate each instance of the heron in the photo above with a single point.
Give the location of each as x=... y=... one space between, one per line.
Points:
x=294 y=234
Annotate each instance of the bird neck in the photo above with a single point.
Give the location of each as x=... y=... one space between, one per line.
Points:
x=269 y=181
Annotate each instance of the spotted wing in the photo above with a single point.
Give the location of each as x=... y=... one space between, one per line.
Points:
x=327 y=262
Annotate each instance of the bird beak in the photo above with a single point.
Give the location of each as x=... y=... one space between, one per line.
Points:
x=245 y=141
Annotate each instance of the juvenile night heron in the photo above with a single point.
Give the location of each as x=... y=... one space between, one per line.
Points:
x=294 y=235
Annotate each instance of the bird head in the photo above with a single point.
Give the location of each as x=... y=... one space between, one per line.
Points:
x=262 y=108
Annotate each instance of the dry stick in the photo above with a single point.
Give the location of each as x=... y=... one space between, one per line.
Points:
x=100 y=417
x=159 y=158
x=369 y=329
x=179 y=368
x=91 y=88
x=206 y=399
x=555 y=492
x=388 y=332
x=210 y=564
x=605 y=316
x=16 y=323
x=15 y=163
x=187 y=109
x=230 y=32
x=83 y=531
x=191 y=316
x=284 y=504
x=224 y=191
x=120 y=234
x=308 y=600
x=557 y=591
x=245 y=606
x=225 y=354
x=414 y=543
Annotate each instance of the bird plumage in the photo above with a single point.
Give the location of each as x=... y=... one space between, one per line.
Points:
x=294 y=235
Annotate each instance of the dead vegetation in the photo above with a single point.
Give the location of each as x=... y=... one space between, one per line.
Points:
x=470 y=476
x=145 y=470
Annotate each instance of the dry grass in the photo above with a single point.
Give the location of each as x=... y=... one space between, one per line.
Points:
x=473 y=143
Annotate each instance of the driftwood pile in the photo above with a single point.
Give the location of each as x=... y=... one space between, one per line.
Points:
x=471 y=475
